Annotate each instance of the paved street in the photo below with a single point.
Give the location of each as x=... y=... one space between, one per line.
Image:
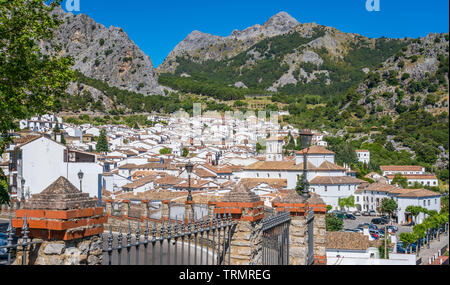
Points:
x=351 y=224
x=435 y=246
x=424 y=253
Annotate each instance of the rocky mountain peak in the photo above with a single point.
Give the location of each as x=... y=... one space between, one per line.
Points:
x=106 y=54
x=281 y=22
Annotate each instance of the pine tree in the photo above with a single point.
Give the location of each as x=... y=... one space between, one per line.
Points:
x=102 y=144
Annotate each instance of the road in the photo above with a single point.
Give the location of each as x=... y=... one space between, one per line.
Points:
x=424 y=253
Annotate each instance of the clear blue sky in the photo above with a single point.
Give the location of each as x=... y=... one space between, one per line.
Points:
x=158 y=26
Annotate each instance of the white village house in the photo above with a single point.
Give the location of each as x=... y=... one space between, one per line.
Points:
x=39 y=161
x=326 y=178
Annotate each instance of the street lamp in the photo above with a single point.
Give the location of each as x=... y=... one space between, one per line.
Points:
x=189 y=167
x=80 y=176
x=22 y=181
x=305 y=139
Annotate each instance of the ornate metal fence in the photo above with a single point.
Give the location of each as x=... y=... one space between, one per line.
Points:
x=310 y=225
x=8 y=250
x=194 y=242
x=276 y=239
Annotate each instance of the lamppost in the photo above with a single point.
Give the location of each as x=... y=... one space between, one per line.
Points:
x=80 y=176
x=305 y=138
x=189 y=167
x=22 y=181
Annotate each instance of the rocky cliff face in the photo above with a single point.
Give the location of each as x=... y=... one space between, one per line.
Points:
x=105 y=54
x=202 y=47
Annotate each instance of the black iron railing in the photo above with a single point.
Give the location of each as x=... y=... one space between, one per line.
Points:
x=9 y=250
x=275 y=244
x=203 y=241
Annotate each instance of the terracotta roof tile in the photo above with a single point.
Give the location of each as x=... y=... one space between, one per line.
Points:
x=315 y=150
x=334 y=180
x=401 y=168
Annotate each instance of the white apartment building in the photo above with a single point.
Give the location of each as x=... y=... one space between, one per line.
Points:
x=423 y=179
x=370 y=196
x=402 y=169
x=363 y=155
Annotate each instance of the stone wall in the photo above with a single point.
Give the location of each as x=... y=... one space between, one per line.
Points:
x=86 y=251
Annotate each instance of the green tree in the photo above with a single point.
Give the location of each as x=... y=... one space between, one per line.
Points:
x=407 y=239
x=63 y=140
x=346 y=202
x=29 y=80
x=4 y=194
x=258 y=147
x=301 y=185
x=388 y=206
x=400 y=180
x=333 y=223
x=102 y=143
x=185 y=152
x=414 y=211
x=165 y=150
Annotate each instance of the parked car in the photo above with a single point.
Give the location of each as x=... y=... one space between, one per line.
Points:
x=372 y=213
x=365 y=213
x=392 y=228
x=357 y=213
x=341 y=216
x=351 y=230
x=3 y=242
x=350 y=217
x=378 y=221
x=374 y=234
x=410 y=248
x=371 y=226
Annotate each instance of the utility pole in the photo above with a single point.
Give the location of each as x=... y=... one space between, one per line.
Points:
x=385 y=241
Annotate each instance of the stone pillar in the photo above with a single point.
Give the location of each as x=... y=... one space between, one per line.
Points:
x=248 y=210
x=67 y=222
x=125 y=209
x=145 y=210
x=320 y=232
x=297 y=206
x=189 y=210
x=165 y=210
x=109 y=209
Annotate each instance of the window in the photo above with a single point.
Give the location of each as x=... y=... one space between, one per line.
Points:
x=339 y=187
x=429 y=202
x=424 y=202
x=371 y=200
x=435 y=201
x=357 y=198
x=279 y=175
x=348 y=187
x=326 y=188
